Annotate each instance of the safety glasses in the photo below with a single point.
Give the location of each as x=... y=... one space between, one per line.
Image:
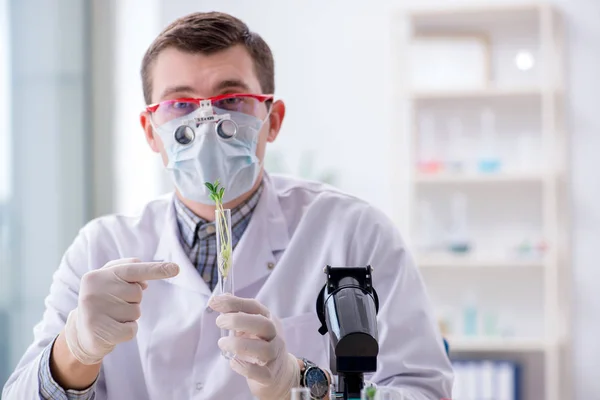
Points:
x=168 y=110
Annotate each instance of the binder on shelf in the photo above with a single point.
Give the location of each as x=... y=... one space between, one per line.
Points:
x=486 y=380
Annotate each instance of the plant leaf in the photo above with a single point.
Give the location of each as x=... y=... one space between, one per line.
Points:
x=221 y=192
x=209 y=186
x=371 y=391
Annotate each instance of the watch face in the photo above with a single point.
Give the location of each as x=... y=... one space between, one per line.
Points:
x=316 y=381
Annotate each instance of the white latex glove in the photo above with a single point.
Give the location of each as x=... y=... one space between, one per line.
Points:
x=260 y=352
x=109 y=306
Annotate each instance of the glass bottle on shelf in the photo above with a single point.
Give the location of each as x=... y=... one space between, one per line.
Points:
x=428 y=160
x=455 y=160
x=470 y=315
x=459 y=240
x=430 y=238
x=489 y=161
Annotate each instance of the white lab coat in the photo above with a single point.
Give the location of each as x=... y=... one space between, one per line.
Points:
x=297 y=229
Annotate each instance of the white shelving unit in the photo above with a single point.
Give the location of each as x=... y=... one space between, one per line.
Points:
x=483 y=93
x=512 y=202
x=493 y=345
x=445 y=261
x=474 y=178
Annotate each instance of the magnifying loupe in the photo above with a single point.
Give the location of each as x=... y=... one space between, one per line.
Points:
x=184 y=134
x=225 y=129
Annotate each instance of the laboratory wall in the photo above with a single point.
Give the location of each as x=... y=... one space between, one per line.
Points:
x=335 y=70
x=44 y=135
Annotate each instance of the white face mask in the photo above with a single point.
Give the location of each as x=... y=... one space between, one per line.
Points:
x=209 y=156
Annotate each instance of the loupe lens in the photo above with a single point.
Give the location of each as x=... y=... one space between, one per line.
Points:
x=226 y=128
x=184 y=135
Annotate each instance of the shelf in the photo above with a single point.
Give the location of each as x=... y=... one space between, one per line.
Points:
x=477 y=178
x=491 y=344
x=453 y=12
x=476 y=16
x=449 y=261
x=476 y=93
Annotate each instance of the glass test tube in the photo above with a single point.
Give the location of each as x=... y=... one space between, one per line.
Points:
x=300 y=393
x=381 y=393
x=333 y=393
x=224 y=259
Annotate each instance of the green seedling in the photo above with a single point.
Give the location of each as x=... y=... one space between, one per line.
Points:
x=371 y=393
x=224 y=231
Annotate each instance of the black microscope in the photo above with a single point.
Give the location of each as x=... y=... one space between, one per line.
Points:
x=347 y=307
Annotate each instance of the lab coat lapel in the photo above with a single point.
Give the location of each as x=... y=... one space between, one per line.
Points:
x=169 y=249
x=267 y=233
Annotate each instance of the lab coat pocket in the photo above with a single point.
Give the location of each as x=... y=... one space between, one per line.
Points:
x=303 y=339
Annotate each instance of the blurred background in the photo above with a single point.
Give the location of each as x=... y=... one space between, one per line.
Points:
x=474 y=126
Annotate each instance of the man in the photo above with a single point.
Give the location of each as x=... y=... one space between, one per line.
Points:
x=131 y=312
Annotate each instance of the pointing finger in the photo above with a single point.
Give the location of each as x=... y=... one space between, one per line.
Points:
x=145 y=271
x=121 y=261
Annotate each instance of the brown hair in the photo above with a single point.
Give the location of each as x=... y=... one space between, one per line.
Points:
x=210 y=33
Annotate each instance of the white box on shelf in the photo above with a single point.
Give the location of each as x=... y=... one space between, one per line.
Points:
x=450 y=62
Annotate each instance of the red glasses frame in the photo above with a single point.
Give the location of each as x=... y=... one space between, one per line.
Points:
x=260 y=97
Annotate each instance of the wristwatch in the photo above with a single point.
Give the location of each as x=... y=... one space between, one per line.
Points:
x=315 y=379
